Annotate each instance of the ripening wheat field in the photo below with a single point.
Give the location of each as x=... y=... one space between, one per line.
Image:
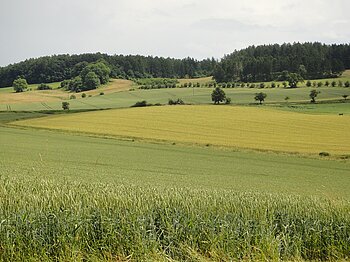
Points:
x=241 y=127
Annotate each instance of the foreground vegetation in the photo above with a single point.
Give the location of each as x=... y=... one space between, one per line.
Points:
x=61 y=220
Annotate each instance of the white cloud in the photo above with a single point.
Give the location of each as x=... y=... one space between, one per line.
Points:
x=176 y=28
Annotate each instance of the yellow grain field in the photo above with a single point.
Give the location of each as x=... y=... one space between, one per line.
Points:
x=241 y=127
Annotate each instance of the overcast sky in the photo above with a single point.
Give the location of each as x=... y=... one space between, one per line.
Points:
x=175 y=28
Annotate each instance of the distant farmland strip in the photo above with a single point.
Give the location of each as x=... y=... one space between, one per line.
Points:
x=242 y=127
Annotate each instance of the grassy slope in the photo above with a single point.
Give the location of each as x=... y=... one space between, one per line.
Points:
x=200 y=96
x=113 y=98
x=242 y=127
x=80 y=158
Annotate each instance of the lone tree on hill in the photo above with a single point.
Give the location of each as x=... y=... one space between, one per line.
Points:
x=20 y=85
x=313 y=95
x=218 y=95
x=260 y=97
x=294 y=79
x=65 y=105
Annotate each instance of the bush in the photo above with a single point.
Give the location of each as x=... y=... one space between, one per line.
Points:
x=83 y=95
x=140 y=104
x=228 y=101
x=65 y=105
x=347 y=84
x=324 y=154
x=102 y=93
x=334 y=83
x=44 y=87
x=72 y=97
x=178 y=101
x=308 y=83
x=319 y=84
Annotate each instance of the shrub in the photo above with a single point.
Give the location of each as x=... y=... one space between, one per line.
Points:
x=308 y=83
x=178 y=101
x=72 y=97
x=83 y=95
x=333 y=83
x=324 y=154
x=319 y=84
x=347 y=84
x=102 y=93
x=44 y=87
x=228 y=100
x=65 y=105
x=140 y=104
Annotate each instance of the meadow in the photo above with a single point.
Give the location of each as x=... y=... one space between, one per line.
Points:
x=124 y=93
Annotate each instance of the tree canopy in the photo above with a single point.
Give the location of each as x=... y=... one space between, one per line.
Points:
x=218 y=95
x=260 y=97
x=275 y=62
x=62 y=67
x=313 y=95
x=20 y=85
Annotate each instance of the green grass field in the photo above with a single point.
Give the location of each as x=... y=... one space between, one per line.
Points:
x=189 y=95
x=92 y=159
x=117 y=95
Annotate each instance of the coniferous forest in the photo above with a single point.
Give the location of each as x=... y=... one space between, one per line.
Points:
x=253 y=64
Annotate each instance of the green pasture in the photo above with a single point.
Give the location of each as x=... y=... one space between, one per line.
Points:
x=28 y=152
x=189 y=95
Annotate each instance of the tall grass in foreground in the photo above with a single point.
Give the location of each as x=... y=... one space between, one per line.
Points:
x=43 y=219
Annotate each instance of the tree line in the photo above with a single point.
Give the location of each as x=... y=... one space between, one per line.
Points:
x=253 y=64
x=57 y=68
x=277 y=62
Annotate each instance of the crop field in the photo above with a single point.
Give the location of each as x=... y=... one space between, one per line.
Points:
x=77 y=198
x=239 y=127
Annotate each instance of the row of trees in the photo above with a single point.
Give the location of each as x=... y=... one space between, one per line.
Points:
x=218 y=96
x=61 y=67
x=277 y=62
